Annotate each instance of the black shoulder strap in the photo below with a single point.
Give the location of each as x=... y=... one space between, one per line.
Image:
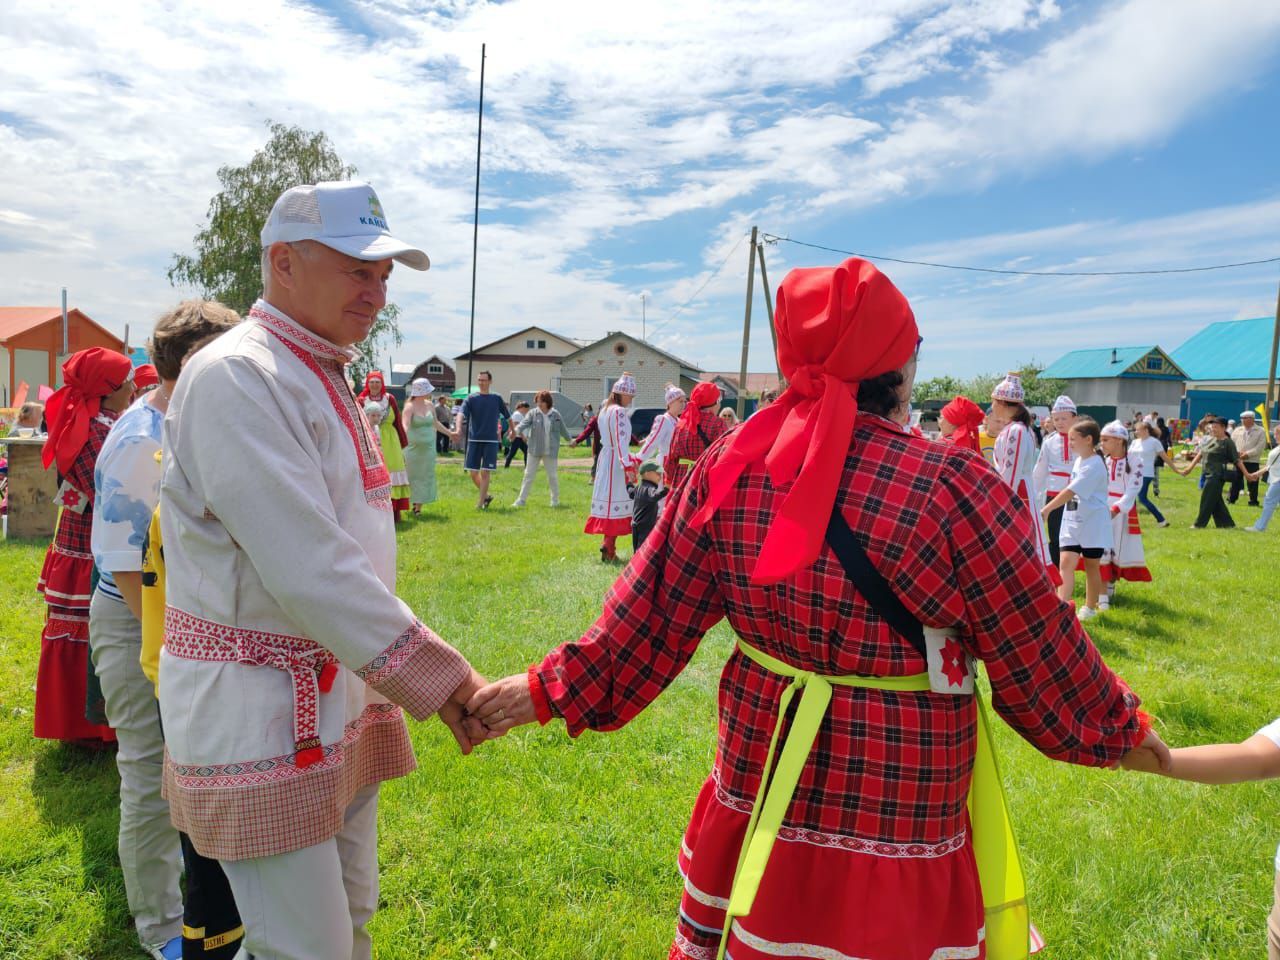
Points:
x=871 y=583
x=703 y=437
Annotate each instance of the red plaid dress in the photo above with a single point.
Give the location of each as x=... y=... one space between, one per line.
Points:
x=874 y=859
x=65 y=582
x=689 y=443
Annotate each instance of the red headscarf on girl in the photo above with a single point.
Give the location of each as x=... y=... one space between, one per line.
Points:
x=372 y=376
x=88 y=375
x=837 y=326
x=967 y=417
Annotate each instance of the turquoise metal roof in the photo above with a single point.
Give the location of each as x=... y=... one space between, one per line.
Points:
x=1229 y=350
x=1111 y=362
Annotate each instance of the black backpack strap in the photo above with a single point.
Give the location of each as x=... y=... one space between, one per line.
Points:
x=871 y=583
x=703 y=437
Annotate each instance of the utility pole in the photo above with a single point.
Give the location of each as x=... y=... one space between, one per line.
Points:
x=644 y=326
x=475 y=226
x=1271 y=377
x=773 y=332
x=746 y=326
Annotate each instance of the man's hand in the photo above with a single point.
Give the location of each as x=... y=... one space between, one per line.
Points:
x=1150 y=756
x=503 y=705
x=466 y=729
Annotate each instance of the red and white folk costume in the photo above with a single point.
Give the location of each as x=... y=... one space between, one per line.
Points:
x=610 y=503
x=657 y=444
x=1127 y=559
x=287 y=654
x=78 y=426
x=878 y=820
x=1015 y=460
x=700 y=426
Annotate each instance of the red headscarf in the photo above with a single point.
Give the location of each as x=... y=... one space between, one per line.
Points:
x=836 y=327
x=705 y=394
x=88 y=375
x=967 y=417
x=371 y=376
x=145 y=375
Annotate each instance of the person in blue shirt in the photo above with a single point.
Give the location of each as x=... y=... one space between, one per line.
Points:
x=482 y=416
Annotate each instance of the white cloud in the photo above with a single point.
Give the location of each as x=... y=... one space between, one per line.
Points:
x=603 y=121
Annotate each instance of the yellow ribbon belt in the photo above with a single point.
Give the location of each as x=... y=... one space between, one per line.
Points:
x=995 y=849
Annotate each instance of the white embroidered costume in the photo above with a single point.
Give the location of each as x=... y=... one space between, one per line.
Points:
x=1127 y=559
x=1015 y=454
x=286 y=649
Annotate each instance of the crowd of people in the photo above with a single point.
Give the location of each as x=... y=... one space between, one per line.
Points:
x=248 y=583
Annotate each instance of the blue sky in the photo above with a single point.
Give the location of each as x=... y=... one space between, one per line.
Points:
x=628 y=149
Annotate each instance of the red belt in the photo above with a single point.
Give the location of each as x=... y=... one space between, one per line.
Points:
x=310 y=666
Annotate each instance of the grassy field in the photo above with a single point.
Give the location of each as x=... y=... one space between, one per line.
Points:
x=542 y=847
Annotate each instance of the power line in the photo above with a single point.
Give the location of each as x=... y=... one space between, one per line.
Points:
x=680 y=309
x=773 y=238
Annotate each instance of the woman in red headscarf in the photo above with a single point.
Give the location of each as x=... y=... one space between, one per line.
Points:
x=98 y=387
x=700 y=426
x=860 y=846
x=959 y=423
x=392 y=439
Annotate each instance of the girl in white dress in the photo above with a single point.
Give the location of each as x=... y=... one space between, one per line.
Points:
x=1086 y=523
x=657 y=444
x=610 y=501
x=1015 y=456
x=1126 y=560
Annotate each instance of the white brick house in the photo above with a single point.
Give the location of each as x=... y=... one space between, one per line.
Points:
x=587 y=375
x=522 y=361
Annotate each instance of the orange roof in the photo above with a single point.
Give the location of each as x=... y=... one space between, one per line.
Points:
x=18 y=320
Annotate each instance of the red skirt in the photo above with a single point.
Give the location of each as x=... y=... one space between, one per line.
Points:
x=62 y=677
x=615 y=527
x=827 y=895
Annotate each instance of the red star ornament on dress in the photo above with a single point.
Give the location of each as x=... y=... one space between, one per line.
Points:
x=953 y=665
x=71 y=498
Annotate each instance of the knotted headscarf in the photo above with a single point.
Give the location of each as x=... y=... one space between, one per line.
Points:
x=145 y=375
x=837 y=326
x=967 y=417
x=368 y=381
x=705 y=394
x=88 y=376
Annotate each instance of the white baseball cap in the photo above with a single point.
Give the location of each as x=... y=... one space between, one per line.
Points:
x=342 y=214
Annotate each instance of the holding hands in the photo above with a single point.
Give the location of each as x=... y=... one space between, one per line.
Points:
x=478 y=710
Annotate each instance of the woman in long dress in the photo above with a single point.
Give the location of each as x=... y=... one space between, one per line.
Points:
x=610 y=502
x=393 y=438
x=99 y=386
x=421 y=427
x=860 y=843
x=1015 y=457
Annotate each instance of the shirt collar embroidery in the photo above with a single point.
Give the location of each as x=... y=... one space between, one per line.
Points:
x=284 y=326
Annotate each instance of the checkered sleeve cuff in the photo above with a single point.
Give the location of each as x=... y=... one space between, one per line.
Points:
x=418 y=671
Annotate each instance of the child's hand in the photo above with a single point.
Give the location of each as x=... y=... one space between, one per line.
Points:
x=1150 y=756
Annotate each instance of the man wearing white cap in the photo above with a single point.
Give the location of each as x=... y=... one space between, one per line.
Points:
x=1250 y=440
x=1053 y=466
x=287 y=654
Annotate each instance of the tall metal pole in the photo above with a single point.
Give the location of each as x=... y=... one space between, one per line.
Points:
x=475 y=227
x=768 y=303
x=644 y=326
x=746 y=326
x=1271 y=377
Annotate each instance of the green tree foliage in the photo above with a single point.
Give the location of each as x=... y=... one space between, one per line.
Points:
x=226 y=265
x=1040 y=391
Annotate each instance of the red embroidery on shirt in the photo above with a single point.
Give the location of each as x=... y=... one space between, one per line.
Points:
x=328 y=368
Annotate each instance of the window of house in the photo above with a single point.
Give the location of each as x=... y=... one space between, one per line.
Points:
x=542 y=344
x=1155 y=362
x=530 y=344
x=436 y=368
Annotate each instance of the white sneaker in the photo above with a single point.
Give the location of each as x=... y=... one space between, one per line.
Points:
x=1086 y=613
x=1252 y=529
x=1104 y=603
x=518 y=503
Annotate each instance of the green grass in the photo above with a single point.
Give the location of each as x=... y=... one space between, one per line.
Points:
x=542 y=847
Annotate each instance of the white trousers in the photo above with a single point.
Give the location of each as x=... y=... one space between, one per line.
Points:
x=313 y=903
x=150 y=854
x=549 y=464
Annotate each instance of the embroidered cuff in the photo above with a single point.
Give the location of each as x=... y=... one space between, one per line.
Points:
x=418 y=671
x=541 y=706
